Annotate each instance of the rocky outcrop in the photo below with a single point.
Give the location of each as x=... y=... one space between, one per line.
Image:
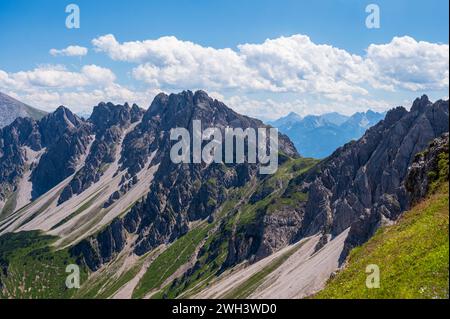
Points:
x=358 y=187
x=428 y=169
x=62 y=135
x=22 y=132
x=101 y=248
x=66 y=138
x=109 y=122
x=362 y=183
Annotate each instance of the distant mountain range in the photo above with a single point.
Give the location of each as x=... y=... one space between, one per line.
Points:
x=318 y=136
x=10 y=109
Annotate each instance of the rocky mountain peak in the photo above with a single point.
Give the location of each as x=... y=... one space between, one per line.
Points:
x=202 y=97
x=430 y=167
x=392 y=116
x=56 y=124
x=63 y=114
x=105 y=115
x=158 y=103
x=420 y=104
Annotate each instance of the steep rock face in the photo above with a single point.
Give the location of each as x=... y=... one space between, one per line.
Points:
x=66 y=138
x=429 y=167
x=108 y=123
x=180 y=193
x=362 y=183
x=101 y=248
x=358 y=186
x=22 y=132
x=62 y=134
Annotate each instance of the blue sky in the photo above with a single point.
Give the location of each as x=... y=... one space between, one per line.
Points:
x=265 y=79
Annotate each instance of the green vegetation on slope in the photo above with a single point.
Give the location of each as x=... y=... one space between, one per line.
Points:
x=30 y=268
x=176 y=255
x=277 y=198
x=412 y=255
x=237 y=212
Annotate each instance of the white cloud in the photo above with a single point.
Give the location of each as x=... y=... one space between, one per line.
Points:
x=265 y=80
x=83 y=100
x=57 y=76
x=49 y=86
x=169 y=62
x=296 y=64
x=71 y=50
x=408 y=64
x=285 y=64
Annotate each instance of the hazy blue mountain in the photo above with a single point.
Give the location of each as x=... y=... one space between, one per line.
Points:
x=335 y=118
x=286 y=121
x=319 y=135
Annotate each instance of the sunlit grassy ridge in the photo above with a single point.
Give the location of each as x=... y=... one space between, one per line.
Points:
x=412 y=255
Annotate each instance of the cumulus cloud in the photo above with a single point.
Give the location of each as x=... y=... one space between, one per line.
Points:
x=57 y=76
x=285 y=64
x=71 y=50
x=409 y=64
x=52 y=85
x=84 y=99
x=169 y=62
x=266 y=80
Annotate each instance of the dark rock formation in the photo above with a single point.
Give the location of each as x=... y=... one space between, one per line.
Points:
x=430 y=166
x=358 y=186
x=180 y=193
x=22 y=132
x=108 y=122
x=66 y=138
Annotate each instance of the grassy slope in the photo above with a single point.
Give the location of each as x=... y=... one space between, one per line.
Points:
x=30 y=268
x=177 y=254
x=412 y=255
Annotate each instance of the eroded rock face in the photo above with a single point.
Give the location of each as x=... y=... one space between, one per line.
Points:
x=358 y=186
x=108 y=124
x=180 y=193
x=363 y=182
x=279 y=230
x=64 y=137
x=22 y=132
x=429 y=166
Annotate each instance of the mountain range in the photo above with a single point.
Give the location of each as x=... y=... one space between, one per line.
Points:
x=317 y=136
x=103 y=194
x=10 y=109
